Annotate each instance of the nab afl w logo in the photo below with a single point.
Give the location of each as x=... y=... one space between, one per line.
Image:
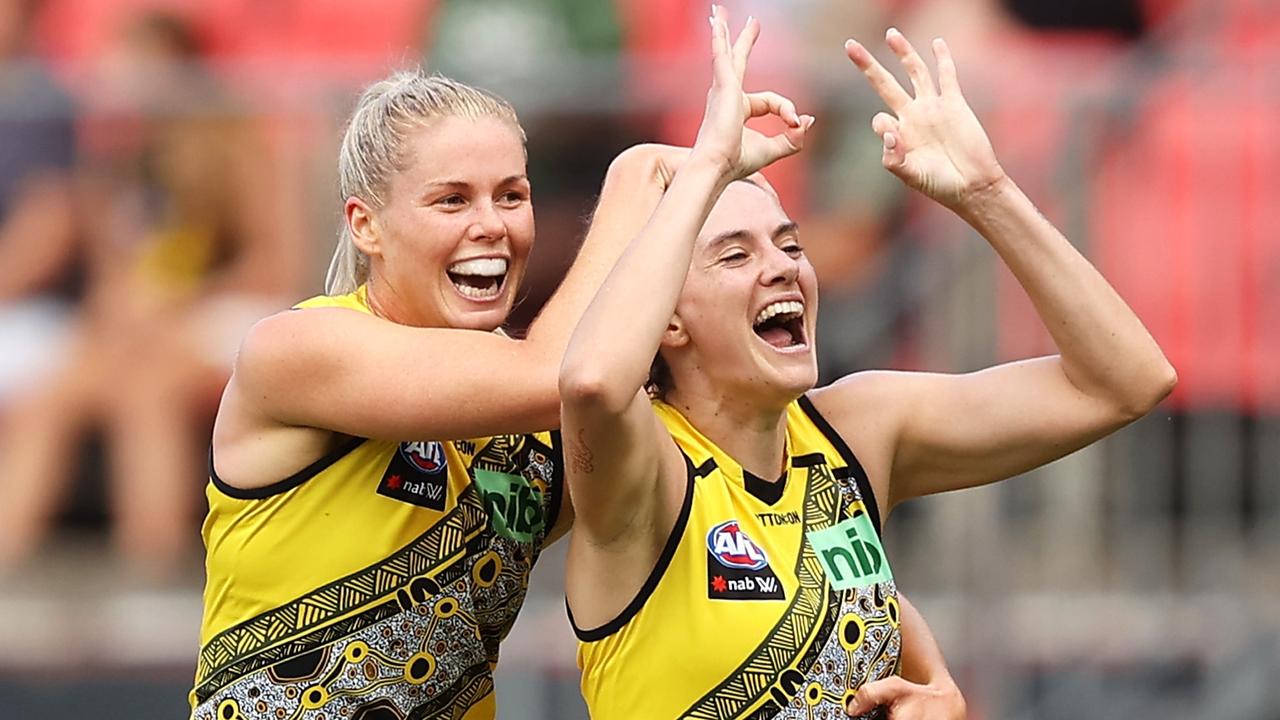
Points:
x=418 y=473
x=733 y=548
x=427 y=457
x=740 y=569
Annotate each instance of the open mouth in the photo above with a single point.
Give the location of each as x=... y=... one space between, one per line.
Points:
x=479 y=279
x=781 y=324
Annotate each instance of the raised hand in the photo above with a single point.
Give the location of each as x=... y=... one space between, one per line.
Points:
x=932 y=141
x=723 y=138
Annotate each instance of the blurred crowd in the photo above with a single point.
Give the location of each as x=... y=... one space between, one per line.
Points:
x=163 y=182
x=166 y=178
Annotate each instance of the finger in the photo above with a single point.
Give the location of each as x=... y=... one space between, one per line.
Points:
x=884 y=123
x=796 y=136
x=776 y=147
x=948 y=80
x=885 y=84
x=721 y=52
x=742 y=48
x=881 y=692
x=893 y=156
x=771 y=103
x=921 y=81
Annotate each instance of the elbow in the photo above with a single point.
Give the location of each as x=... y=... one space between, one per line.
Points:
x=589 y=388
x=1144 y=396
x=637 y=158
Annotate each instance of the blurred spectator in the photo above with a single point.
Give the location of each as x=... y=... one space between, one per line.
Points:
x=37 y=239
x=185 y=253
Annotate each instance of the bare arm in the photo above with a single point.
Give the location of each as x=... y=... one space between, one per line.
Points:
x=617 y=451
x=343 y=371
x=955 y=431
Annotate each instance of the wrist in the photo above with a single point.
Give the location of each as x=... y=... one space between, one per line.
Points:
x=708 y=168
x=987 y=200
x=946 y=690
x=710 y=163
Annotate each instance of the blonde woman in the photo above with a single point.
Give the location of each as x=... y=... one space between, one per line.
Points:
x=375 y=506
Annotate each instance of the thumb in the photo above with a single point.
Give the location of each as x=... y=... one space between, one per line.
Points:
x=874 y=694
x=795 y=135
x=894 y=157
x=770 y=149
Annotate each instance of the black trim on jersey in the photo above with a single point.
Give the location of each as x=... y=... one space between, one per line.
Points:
x=851 y=461
x=808 y=460
x=702 y=470
x=659 y=568
x=765 y=491
x=289 y=483
x=557 y=482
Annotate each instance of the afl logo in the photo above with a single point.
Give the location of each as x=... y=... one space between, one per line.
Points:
x=732 y=548
x=427 y=457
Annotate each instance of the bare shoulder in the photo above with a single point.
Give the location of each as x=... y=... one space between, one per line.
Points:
x=304 y=350
x=252 y=446
x=868 y=409
x=296 y=336
x=869 y=396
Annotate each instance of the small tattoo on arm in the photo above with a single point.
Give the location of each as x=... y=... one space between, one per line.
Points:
x=580 y=456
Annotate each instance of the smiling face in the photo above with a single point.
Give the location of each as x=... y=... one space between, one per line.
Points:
x=450 y=246
x=745 y=318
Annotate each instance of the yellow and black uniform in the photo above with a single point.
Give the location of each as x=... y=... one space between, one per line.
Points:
x=376 y=583
x=770 y=599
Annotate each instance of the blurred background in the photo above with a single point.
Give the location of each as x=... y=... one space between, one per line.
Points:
x=167 y=176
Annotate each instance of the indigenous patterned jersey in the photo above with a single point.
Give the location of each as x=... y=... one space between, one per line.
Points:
x=770 y=599
x=376 y=583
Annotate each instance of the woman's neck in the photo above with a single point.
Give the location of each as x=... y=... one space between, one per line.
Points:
x=754 y=435
x=384 y=302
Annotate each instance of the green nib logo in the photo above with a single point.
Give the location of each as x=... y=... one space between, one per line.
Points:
x=515 y=508
x=850 y=553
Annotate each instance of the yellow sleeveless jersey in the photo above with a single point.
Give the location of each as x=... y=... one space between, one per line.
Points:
x=375 y=583
x=770 y=599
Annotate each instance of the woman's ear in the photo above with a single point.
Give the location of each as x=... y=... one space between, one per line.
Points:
x=675 y=334
x=363 y=227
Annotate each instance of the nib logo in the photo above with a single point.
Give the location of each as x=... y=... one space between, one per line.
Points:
x=850 y=553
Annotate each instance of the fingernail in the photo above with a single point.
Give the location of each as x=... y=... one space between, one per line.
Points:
x=892 y=31
x=750 y=18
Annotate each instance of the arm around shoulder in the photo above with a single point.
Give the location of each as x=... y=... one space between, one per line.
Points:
x=340 y=370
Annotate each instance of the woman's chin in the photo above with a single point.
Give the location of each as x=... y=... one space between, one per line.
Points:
x=487 y=319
